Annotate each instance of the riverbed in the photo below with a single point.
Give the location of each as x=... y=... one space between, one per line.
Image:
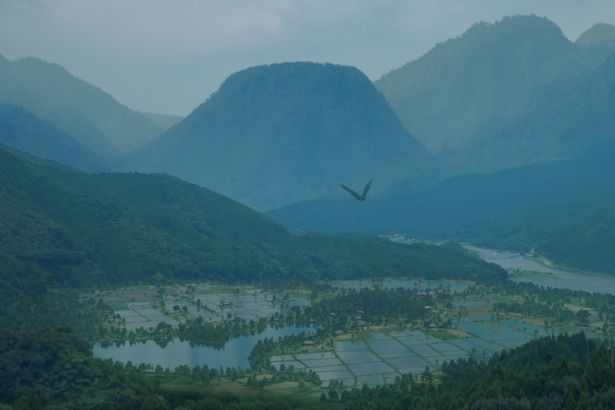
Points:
x=556 y=278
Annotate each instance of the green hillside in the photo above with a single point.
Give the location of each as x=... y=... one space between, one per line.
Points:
x=81 y=229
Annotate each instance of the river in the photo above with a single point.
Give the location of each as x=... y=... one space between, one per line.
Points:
x=558 y=278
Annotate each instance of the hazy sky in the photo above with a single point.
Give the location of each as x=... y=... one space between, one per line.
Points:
x=169 y=55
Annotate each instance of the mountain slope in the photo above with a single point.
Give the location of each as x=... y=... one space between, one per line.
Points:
x=22 y=131
x=568 y=120
x=84 y=111
x=71 y=228
x=467 y=97
x=562 y=209
x=601 y=33
x=163 y=121
x=272 y=135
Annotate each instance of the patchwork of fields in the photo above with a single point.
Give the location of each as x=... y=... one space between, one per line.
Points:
x=380 y=357
x=212 y=305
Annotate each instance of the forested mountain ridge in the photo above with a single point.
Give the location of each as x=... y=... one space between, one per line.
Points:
x=561 y=209
x=473 y=99
x=23 y=131
x=276 y=134
x=82 y=110
x=72 y=228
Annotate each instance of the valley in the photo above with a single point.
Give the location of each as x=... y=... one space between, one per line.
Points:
x=212 y=246
x=283 y=341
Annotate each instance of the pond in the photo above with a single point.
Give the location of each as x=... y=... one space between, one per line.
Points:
x=556 y=278
x=235 y=352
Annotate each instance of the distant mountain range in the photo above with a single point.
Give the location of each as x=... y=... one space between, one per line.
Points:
x=562 y=209
x=494 y=97
x=277 y=134
x=514 y=95
x=598 y=35
x=88 y=114
x=23 y=131
x=163 y=121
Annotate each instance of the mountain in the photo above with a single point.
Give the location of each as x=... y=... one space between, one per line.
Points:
x=281 y=133
x=598 y=34
x=564 y=210
x=163 y=121
x=82 y=110
x=568 y=120
x=469 y=99
x=22 y=131
x=63 y=227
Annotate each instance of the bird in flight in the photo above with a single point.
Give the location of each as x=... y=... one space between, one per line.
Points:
x=358 y=197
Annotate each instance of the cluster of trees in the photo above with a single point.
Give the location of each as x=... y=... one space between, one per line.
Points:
x=201 y=332
x=552 y=301
x=40 y=368
x=264 y=349
x=349 y=309
x=285 y=374
x=536 y=308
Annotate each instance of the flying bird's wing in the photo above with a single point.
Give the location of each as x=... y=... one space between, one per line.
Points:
x=366 y=189
x=353 y=193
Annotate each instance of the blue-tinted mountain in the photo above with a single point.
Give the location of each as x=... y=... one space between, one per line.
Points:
x=82 y=110
x=477 y=101
x=281 y=133
x=598 y=34
x=562 y=209
x=163 y=121
x=23 y=131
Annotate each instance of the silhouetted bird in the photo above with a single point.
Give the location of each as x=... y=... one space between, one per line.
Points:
x=357 y=196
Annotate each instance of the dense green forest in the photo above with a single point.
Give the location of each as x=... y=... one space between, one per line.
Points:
x=81 y=229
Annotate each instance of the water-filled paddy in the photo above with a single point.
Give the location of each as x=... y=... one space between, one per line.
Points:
x=379 y=357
